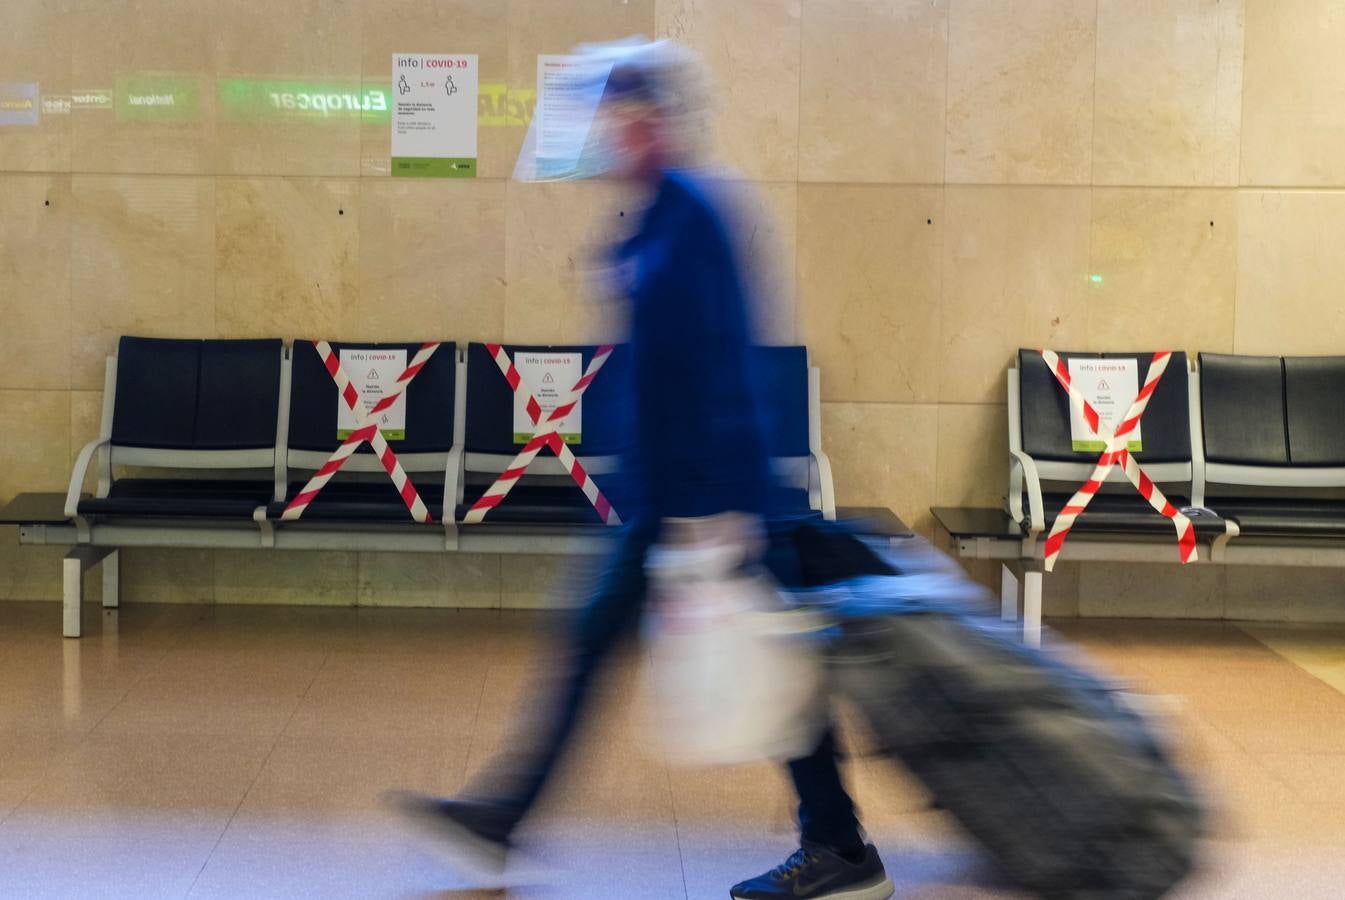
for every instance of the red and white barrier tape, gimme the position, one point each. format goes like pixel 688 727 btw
pixel 366 430
pixel 548 436
pixel 1116 452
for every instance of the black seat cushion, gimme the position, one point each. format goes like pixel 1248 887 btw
pixel 605 407
pixel 780 383
pixel 1313 388
pixel 179 498
pixel 779 376
pixel 363 501
pixel 490 430
pixel 1242 409
pixel 558 504
pixel 429 400
pixel 156 393
pixel 238 395
pixel 1044 410
pixel 1283 517
pixel 535 504
pixel 549 501
pixel 196 395
pixel 1127 514
pixel 790 501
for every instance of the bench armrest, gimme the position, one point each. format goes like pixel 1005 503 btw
pixel 819 462
pixel 81 471
pixel 453 484
pixel 1022 467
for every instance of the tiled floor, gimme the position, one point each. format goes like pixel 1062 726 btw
pixel 239 752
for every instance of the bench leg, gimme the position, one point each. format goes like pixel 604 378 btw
pixel 1008 594
pixel 1032 609
pixel 78 561
pixel 112 580
pixel 72 598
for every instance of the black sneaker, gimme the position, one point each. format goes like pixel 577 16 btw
pixel 816 873
pixel 471 837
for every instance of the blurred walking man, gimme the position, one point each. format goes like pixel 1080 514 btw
pixel 690 342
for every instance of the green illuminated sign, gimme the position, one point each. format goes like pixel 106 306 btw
pixel 252 98
pixel 498 105
pixel 157 98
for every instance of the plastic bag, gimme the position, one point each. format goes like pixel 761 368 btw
pixel 734 676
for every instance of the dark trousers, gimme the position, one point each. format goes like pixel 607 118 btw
pixel 826 813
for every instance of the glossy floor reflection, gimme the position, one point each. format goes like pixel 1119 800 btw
pixel 240 751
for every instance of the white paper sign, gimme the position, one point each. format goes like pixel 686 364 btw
pixel 568 91
pixel 551 377
pixel 1110 386
pixel 373 373
pixel 434 98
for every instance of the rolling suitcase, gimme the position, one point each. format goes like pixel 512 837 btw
pixel 1050 768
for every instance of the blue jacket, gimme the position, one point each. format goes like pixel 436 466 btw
pixel 698 446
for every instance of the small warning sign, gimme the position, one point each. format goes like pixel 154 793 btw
pixel 1094 378
pixel 372 388
pixel 551 375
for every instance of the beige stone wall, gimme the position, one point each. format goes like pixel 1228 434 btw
pixel 942 178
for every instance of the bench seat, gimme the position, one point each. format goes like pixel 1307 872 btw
pixel 362 501
pixel 179 498
pixel 1129 514
pixel 536 505
pixel 1120 519
pixel 1271 517
pixel 563 505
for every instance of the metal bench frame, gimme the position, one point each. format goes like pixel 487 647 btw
pixel 1021 554
pixel 98 541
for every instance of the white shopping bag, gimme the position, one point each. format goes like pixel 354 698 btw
pixel 733 676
